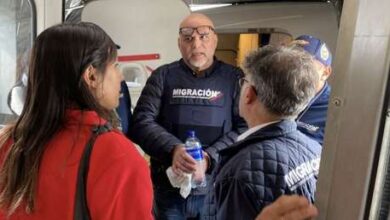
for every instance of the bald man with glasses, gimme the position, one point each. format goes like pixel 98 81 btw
pixel 197 92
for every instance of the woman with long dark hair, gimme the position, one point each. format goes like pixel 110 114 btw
pixel 73 86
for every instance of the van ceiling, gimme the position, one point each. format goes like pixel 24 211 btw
pixel 337 3
pixel 243 1
pixel 71 4
pixel 73 8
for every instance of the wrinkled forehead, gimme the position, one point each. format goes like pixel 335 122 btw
pixel 196 20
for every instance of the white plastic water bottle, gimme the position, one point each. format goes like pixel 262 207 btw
pixel 194 148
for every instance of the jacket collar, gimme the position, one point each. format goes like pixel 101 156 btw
pixel 321 98
pixel 268 132
pixel 76 116
pixel 207 72
pixel 323 95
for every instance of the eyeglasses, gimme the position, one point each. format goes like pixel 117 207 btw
pixel 242 80
pixel 201 30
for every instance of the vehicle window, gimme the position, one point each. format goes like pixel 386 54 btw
pixel 73 9
pixel 17 31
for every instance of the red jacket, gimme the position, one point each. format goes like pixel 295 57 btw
pixel 118 186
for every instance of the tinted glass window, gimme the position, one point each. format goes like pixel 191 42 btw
pixel 16 36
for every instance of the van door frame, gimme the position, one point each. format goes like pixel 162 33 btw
pixel 355 113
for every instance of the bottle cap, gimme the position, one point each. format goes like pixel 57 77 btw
pixel 190 133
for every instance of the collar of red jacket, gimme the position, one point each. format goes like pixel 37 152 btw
pixel 75 116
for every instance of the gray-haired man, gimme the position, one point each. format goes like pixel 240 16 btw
pixel 272 158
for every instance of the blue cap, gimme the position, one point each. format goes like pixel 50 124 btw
pixel 317 48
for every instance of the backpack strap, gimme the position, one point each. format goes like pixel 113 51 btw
pixel 81 211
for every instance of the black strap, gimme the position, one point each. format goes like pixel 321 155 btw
pixel 81 211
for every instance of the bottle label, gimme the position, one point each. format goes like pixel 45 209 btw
pixel 196 153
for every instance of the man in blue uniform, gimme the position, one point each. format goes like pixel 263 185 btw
pixel 311 121
pixel 272 157
pixel 198 93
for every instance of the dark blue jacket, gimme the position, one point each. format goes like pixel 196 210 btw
pixel 312 120
pixel 175 100
pixel 124 108
pixel 254 172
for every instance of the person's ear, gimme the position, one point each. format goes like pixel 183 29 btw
pixel 326 73
pixel 90 77
pixel 249 95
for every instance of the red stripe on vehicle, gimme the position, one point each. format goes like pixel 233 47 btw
pixel 139 57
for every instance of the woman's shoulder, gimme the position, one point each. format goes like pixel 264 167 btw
pixel 115 142
pixel 113 146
